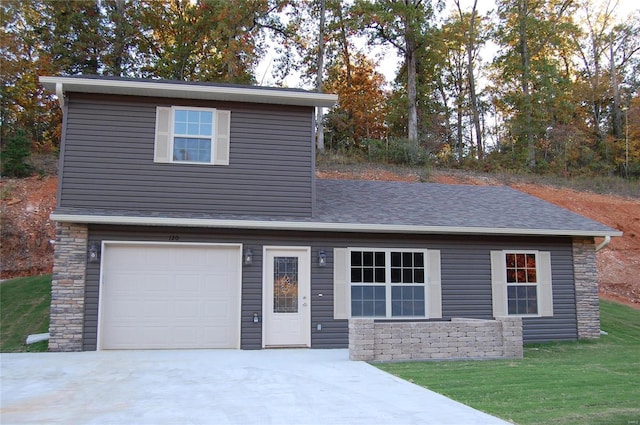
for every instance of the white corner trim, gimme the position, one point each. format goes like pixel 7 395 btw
pixel 318 226
pixel 60 94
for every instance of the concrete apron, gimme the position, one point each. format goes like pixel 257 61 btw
pixel 216 387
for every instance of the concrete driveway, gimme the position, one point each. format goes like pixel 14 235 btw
pixel 215 387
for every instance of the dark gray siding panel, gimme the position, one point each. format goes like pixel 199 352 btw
pixel 108 162
pixel 466 284
pixel 465 264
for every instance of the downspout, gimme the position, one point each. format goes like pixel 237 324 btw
pixel 604 243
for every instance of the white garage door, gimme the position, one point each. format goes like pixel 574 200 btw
pixel 161 296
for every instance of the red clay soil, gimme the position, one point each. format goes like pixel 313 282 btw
pixel 26 230
pixel 618 263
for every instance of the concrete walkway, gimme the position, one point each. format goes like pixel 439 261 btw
pixel 215 387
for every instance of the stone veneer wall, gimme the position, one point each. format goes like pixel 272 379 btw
pixel 458 339
pixel 586 281
pixel 67 287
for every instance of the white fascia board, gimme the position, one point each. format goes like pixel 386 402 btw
pixel 319 226
pixel 190 91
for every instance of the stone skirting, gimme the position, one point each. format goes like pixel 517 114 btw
pixel 67 287
pixel 586 281
pixel 458 339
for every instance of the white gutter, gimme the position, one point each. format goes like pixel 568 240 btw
pixel 605 242
pixel 151 88
pixel 318 226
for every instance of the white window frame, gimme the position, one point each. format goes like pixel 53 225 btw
pixel 173 134
pixel 512 284
pixel 388 284
pixel 544 290
pixel 165 136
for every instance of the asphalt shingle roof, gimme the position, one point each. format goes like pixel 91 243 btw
pixel 427 204
pixel 425 207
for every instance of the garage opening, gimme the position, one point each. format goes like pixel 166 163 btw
pixel 169 296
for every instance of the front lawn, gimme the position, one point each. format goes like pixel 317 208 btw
pixel 585 382
pixel 24 310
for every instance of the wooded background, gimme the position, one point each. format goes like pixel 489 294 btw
pixel 559 96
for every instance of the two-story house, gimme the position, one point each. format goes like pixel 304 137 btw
pixel 189 216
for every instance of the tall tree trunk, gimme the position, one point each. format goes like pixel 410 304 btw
pixel 119 42
pixel 525 59
pixel 616 119
pixel 596 87
pixel 472 81
pixel 459 132
pixel 320 114
pixel 447 113
pixel 410 59
pixel 345 44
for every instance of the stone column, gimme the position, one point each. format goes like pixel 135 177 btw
pixel 512 337
pixel 361 339
pixel 67 287
pixel 586 282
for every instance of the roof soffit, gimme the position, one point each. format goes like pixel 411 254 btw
pixel 178 90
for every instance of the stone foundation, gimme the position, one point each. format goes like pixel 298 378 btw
pixel 586 281
pixel 67 287
pixel 458 339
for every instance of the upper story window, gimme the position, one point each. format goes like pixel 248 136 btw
pixel 192 135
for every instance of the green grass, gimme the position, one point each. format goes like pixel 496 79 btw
pixel 24 310
pixel 585 382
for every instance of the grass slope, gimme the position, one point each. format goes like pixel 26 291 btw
pixel 24 310
pixel 585 382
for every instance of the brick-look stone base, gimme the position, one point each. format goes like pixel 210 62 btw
pixel 67 287
pixel 586 280
pixel 457 339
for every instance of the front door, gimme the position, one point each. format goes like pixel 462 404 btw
pixel 287 297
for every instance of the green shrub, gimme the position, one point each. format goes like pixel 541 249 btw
pixel 15 154
pixel 397 151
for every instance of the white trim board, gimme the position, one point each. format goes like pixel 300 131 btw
pixel 321 226
pixel 168 89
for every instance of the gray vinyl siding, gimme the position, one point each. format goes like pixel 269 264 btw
pixel 109 152
pixel 465 272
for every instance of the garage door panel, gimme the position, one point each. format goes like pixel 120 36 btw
pixel 170 296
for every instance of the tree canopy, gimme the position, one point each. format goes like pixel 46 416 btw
pixel 559 94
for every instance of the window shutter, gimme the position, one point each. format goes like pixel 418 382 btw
pixel 434 288
pixel 498 284
pixel 340 284
pixel 223 130
pixel 544 284
pixel 163 131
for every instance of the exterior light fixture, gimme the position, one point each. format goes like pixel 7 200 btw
pixel 93 253
pixel 322 258
pixel 247 257
pixel 256 318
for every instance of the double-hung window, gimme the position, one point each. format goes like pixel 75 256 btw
pixel 192 135
pixel 521 282
pixel 388 283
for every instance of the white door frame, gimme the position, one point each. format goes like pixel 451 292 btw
pixel 304 276
pixel 105 244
